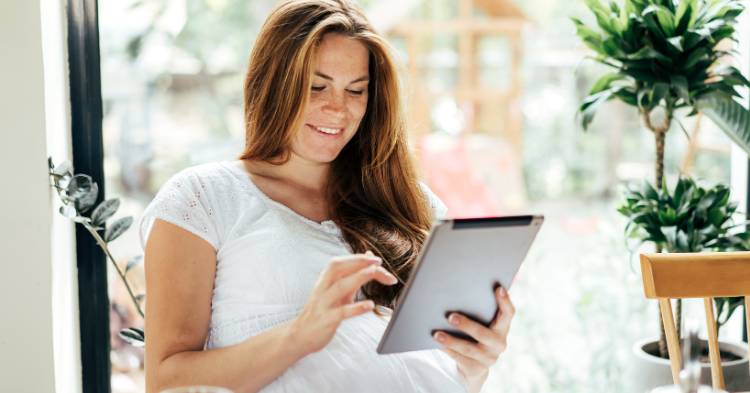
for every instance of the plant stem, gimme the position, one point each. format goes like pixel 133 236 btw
pixel 660 133
pixel 104 247
pixel 101 243
pixel 659 136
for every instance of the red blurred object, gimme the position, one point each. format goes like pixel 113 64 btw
pixel 452 167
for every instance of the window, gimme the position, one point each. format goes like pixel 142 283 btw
pixel 492 120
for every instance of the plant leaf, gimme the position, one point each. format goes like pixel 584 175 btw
pixel 133 263
pixel 68 211
pixel 83 191
pixel 86 202
pixel 658 93
pixel 104 211
pixel 592 102
pixel 65 168
pixel 117 228
pixel 729 116
pixel 133 336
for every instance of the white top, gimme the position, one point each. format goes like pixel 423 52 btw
pixel 268 259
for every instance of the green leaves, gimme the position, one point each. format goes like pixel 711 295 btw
pixel 592 102
pixel 665 53
pixel 728 115
pixel 688 219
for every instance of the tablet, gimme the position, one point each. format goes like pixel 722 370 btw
pixel 458 268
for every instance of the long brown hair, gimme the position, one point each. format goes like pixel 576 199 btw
pixel 373 192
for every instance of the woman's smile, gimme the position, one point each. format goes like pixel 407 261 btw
pixel 327 131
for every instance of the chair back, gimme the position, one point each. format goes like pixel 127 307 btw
pixel 669 276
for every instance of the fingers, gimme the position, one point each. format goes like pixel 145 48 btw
pixel 346 286
pixel 462 359
pixel 346 265
pixel 505 313
pixel 492 339
pixel 475 351
pixel 354 309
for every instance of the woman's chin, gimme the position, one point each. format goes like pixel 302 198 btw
pixel 318 158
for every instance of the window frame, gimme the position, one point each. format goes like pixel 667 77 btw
pixel 88 154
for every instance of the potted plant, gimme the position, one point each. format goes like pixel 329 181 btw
pixel 666 60
pixel 690 218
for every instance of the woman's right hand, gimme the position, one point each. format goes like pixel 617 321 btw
pixel 332 299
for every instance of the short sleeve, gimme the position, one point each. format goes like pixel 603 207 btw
pixel 183 201
pixel 439 210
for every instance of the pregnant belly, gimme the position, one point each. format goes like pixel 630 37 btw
pixel 350 363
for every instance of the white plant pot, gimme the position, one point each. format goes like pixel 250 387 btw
pixel 648 371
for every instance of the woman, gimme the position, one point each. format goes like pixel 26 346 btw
pixel 264 273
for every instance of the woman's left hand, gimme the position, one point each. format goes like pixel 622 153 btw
pixel 475 359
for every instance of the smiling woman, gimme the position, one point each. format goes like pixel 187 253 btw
pixel 263 273
pixel 337 103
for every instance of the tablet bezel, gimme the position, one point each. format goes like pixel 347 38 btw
pixel 456 224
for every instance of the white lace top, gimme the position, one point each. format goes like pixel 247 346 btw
pixel 268 260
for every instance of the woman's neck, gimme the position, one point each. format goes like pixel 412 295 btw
pixel 298 171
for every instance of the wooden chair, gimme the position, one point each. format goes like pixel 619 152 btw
pixel 696 275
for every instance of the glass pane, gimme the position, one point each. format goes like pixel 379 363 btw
pixel 172 86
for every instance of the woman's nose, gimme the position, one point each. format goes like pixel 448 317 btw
pixel 335 103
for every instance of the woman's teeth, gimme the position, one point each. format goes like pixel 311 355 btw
pixel 326 130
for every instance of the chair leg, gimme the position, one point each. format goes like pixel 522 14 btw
pixel 673 342
pixel 747 322
pixel 717 374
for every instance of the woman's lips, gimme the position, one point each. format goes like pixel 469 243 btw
pixel 329 131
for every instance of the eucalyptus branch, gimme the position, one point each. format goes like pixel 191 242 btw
pixel 105 248
pixel 78 194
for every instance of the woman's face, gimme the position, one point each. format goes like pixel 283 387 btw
pixel 338 99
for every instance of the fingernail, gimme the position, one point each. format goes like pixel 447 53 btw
pixel 502 292
pixel 372 258
pixel 439 336
pixel 453 319
pixel 389 275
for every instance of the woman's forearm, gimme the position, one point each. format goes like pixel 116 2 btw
pixel 245 367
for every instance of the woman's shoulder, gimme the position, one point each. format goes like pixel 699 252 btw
pixel 439 209
pixel 204 198
pixel 202 175
pixel 219 181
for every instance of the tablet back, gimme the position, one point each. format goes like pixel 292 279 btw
pixel 459 266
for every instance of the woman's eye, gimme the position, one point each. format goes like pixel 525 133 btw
pixel 318 88
pixel 356 92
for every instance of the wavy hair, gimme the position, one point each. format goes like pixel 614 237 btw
pixel 373 192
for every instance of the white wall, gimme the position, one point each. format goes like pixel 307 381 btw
pixel 26 355
pixel 39 339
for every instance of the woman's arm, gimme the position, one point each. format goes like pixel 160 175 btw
pixel 180 270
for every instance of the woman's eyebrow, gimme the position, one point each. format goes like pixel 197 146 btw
pixel 360 79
